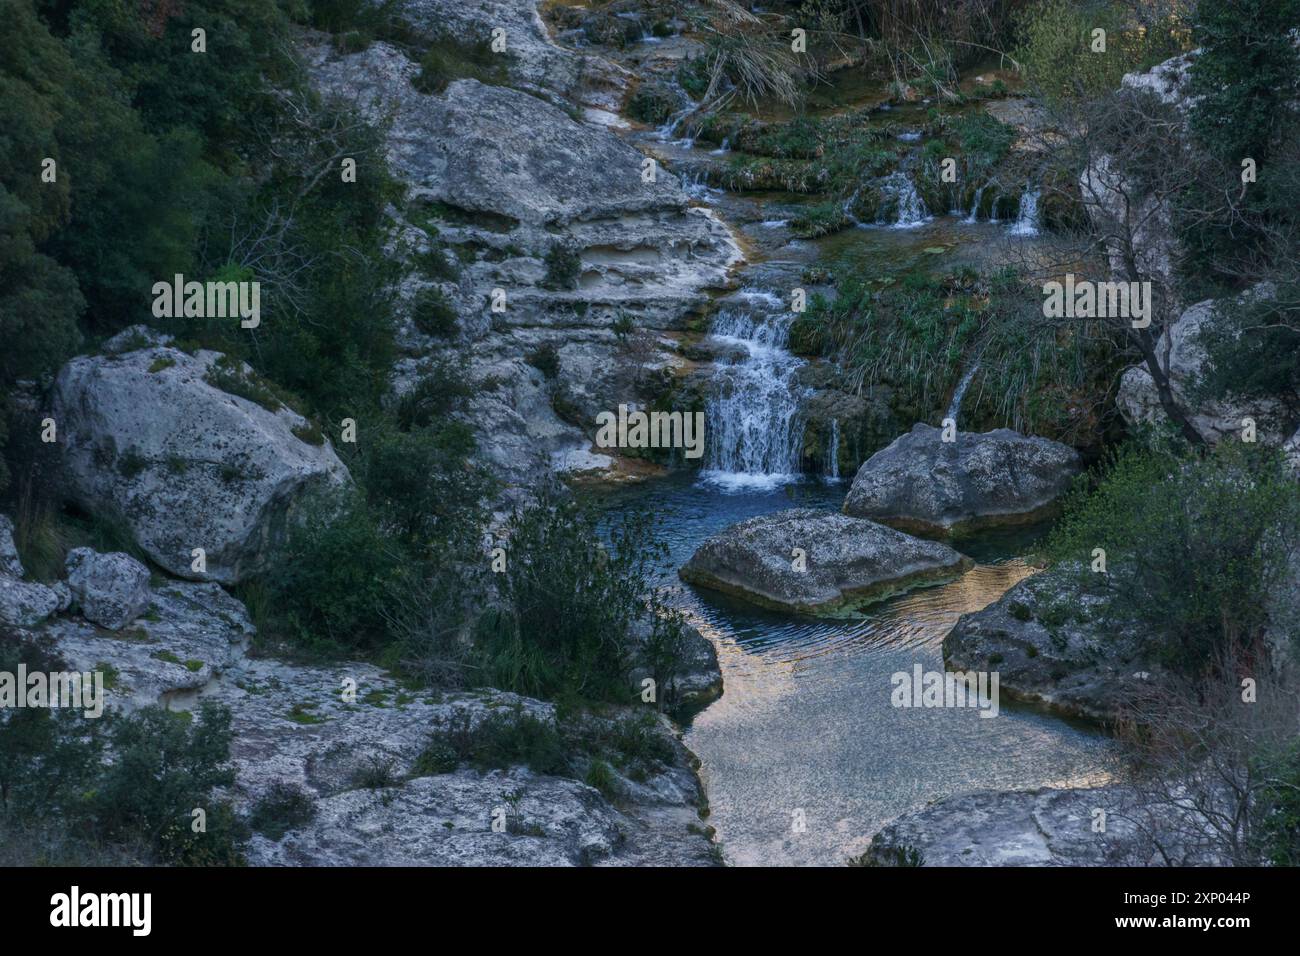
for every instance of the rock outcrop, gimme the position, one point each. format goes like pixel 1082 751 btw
pixel 925 485
pixel 24 603
pixel 375 772
pixel 1044 827
pixel 1138 400
pixel 151 437
pixel 1120 207
pixel 1052 643
pixel 812 561
pixel 516 185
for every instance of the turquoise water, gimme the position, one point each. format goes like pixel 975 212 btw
pixel 805 729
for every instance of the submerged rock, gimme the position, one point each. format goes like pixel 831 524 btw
pixel 845 563
pixel 148 438
pixel 925 485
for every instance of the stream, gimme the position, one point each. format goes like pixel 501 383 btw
pixel 804 757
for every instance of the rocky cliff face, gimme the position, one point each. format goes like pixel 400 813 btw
pixel 505 179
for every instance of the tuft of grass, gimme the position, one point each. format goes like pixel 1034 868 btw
pixel 448 59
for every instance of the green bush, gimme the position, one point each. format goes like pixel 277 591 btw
pixel 1196 547
pixel 1055 45
pixel 502 739
pixel 566 604
pixel 282 808
pixel 448 59
pixel 563 266
pixel 433 314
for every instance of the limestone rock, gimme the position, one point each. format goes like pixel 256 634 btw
pixel 923 484
pixel 149 439
pixel 1044 827
pixel 1051 643
pixel 1139 401
pixel 112 590
pixel 847 561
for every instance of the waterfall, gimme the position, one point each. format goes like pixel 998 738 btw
pixel 954 407
pixel 975 206
pixel 911 208
pixel 1027 219
pixel 833 457
pixel 754 434
pixel 666 132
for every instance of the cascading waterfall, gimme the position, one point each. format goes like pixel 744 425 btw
pixel 1027 218
pixel 954 407
pixel 975 206
pixel 754 433
pixel 833 456
pixel 911 207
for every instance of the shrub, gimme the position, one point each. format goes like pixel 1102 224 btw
pixel 566 603
pixel 563 265
pixel 282 808
pixel 503 739
pixel 546 359
pixel 1196 547
pixel 449 58
pixel 164 766
pixel 433 314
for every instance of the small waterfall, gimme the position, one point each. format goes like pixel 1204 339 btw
pixel 832 475
pixel 975 206
pixel 1026 223
pixel 848 206
pixel 753 428
pixel 695 186
pixel 954 407
pixel 668 131
pixel 910 205
pixel 723 148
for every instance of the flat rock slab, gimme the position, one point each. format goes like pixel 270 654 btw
pixel 1045 827
pixel 925 485
pixel 846 562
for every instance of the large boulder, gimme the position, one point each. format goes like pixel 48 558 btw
pixel 1186 357
pixel 112 590
pixel 846 562
pixel 151 438
pixel 925 485
pixel 1052 643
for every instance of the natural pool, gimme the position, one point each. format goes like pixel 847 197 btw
pixel 805 722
